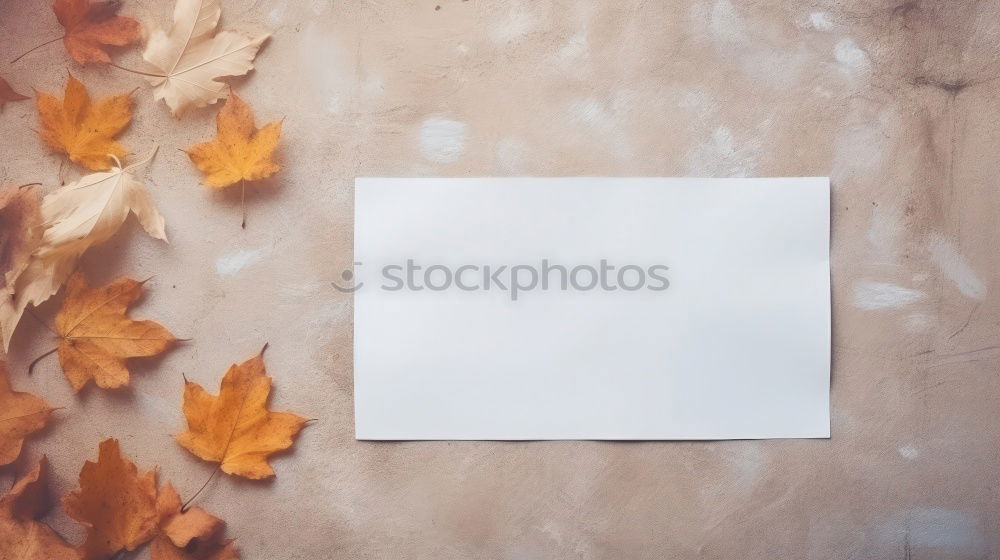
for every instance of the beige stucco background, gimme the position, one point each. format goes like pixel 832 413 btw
pixel 895 101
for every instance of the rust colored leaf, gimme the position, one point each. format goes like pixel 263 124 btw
pixel 114 503
pixel 22 536
pixel 93 26
pixel 21 414
pixel 188 535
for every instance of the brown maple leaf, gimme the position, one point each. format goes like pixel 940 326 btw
pixel 187 535
pixel 7 93
pixel 22 536
pixel 235 428
pixel 96 337
pixel 21 414
pixel 83 130
pixel 20 230
pixel 114 503
pixel 92 26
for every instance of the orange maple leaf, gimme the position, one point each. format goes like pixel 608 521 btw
pixel 82 130
pixel 114 503
pixel 7 93
pixel 21 414
pixel 90 26
pixel 22 536
pixel 188 534
pixel 96 337
pixel 235 428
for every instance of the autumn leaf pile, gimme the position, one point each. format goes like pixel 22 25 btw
pixel 46 231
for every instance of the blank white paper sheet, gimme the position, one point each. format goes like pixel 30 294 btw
pixel 591 308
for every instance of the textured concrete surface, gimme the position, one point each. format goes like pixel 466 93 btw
pixel 896 101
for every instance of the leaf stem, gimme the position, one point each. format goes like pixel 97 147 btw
pixel 215 471
pixel 31 366
pixel 140 72
pixel 38 47
pixel 243 202
pixel 40 321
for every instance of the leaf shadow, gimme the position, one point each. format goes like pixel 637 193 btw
pixel 263 192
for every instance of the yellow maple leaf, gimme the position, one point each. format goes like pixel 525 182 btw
pixel 117 506
pixel 240 152
pixel 96 337
pixel 235 428
pixel 82 130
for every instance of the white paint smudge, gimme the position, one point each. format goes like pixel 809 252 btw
pixel 851 58
pixel 442 140
pixel 592 112
pixel 726 25
pixel 934 528
pixel 236 261
pixel 699 103
pixel 277 14
pixel 719 156
pixel 748 461
pixel 320 7
pixel 909 452
pixel 571 58
pixel 820 21
pixel 861 146
pixel 882 295
pixel 605 119
pixel 328 66
pixel 299 291
pixel 575 49
pixel 760 56
pixel 919 322
pixel 954 266
pixel 520 20
pixel 510 154
pixel 882 233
